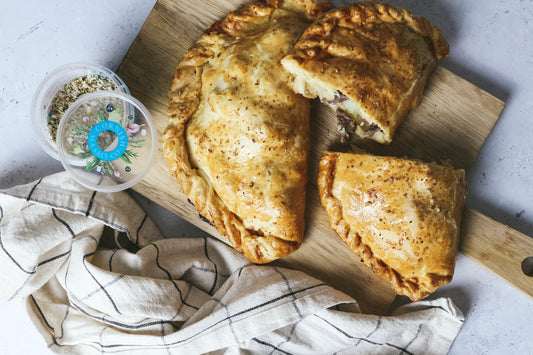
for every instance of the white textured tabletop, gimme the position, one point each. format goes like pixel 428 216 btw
pixel 491 46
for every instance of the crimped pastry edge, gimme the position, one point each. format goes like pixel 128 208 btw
pixel 362 13
pixel 402 286
pixel 183 101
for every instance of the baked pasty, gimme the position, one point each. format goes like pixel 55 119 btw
pixel 369 61
pixel 238 135
pixel 401 217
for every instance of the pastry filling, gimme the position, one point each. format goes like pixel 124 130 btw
pixel 351 120
pixel 350 124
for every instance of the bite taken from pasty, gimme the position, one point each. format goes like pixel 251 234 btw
pixel 369 62
pixel 401 217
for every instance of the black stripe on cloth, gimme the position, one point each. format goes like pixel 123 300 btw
pixel 13 259
pixel 363 339
pixel 439 307
pixel 64 223
pixel 404 350
pixel 443 309
pixel 275 348
pixel 244 267
pixel 118 227
pixel 41 314
pixel 111 260
pixel 100 336
pixel 279 298
pixel 53 258
pixel 117 323
pixel 88 211
pixel 29 205
pixel 1 213
pixel 66 277
pixel 181 305
pixel 287 339
pixel 206 269
pixel 169 276
pixel 33 190
pixel 39 264
pixel 290 290
pixel 116 279
pixel 230 320
pixel 68 269
pixel 15 294
pixel 62 324
pixel 143 325
pixel 99 284
pixel 139 229
pixel 378 325
pixel 163 337
pixel 92 237
pixel 214 266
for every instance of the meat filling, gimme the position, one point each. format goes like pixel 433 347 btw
pixel 337 99
pixel 346 125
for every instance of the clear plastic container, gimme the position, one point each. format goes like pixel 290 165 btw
pixel 50 87
pixel 106 141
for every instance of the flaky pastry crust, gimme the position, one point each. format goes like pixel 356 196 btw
pixel 370 62
pixel 401 217
pixel 238 136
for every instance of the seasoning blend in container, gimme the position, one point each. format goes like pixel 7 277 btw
pixel 85 117
pixel 59 89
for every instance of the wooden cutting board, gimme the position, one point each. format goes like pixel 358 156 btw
pixel 450 124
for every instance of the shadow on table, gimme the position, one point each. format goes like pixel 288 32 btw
pixel 456 294
pixel 521 220
pixel 169 224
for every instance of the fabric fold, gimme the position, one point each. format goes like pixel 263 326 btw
pixel 152 295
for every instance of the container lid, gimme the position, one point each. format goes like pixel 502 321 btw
pixel 106 141
pixel 52 84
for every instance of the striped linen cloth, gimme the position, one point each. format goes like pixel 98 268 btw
pixel 151 295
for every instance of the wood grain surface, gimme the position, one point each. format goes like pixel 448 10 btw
pixel 497 247
pixel 451 124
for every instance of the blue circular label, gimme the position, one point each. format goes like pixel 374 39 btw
pixel 92 140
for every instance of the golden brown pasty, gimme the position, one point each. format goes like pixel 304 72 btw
pixel 369 61
pixel 238 135
pixel 401 217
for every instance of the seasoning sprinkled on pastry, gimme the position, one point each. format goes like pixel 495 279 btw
pixel 401 217
pixel 369 61
pixel 238 135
